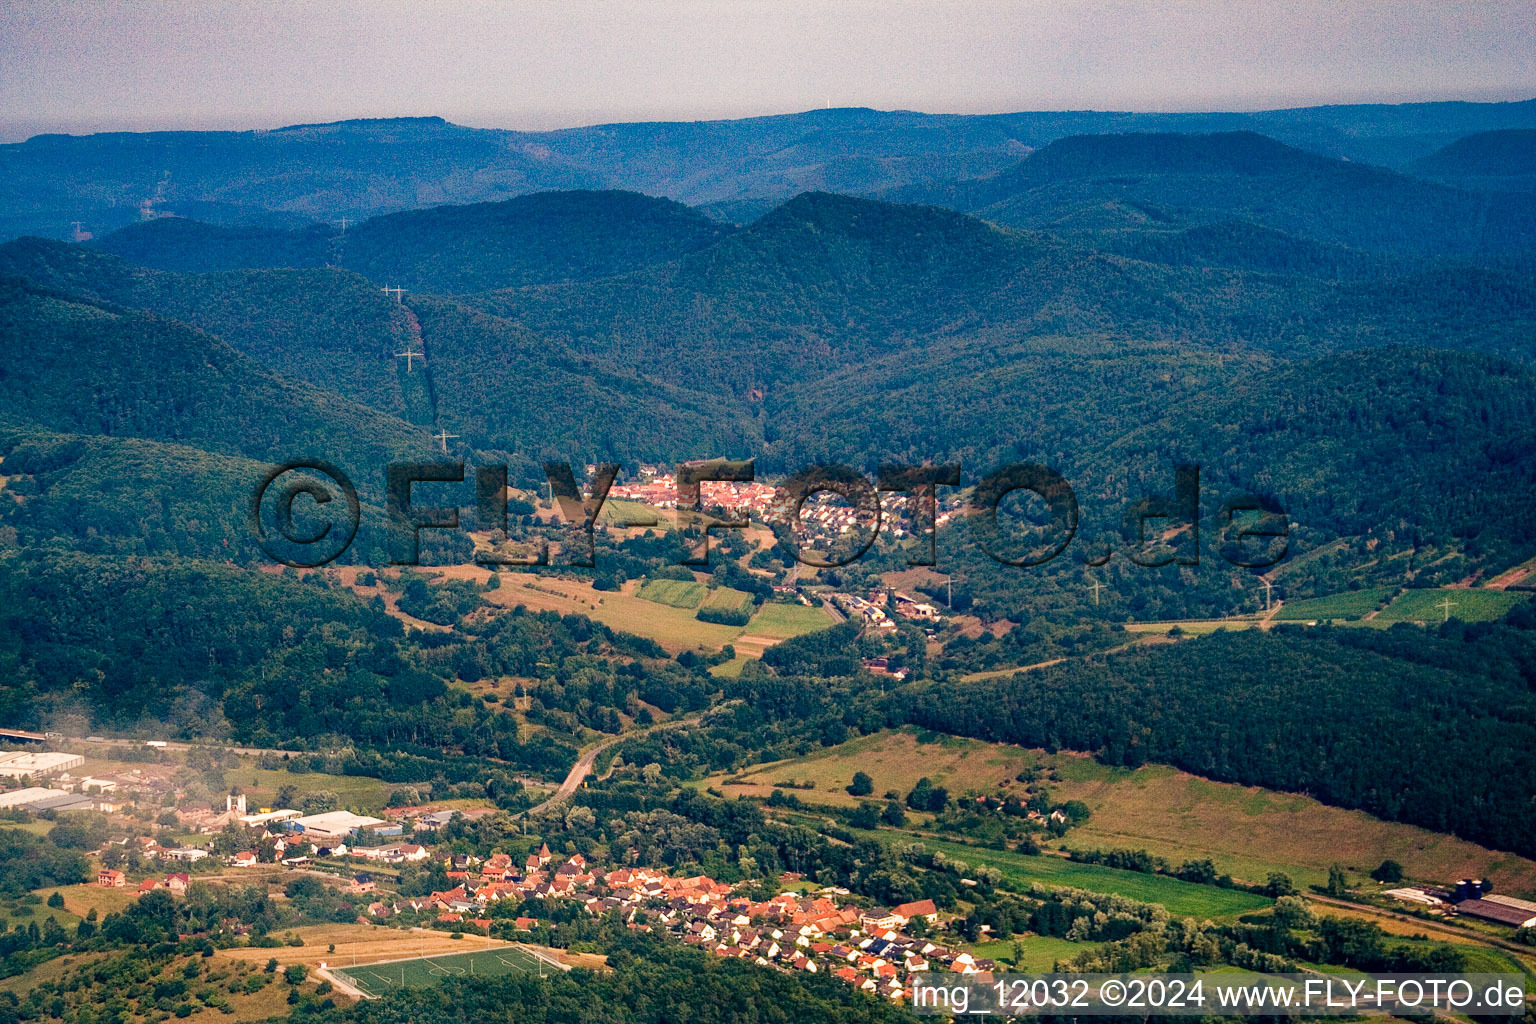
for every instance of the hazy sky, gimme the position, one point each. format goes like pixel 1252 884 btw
pixel 83 65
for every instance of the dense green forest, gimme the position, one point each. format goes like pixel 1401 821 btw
pixel 77 365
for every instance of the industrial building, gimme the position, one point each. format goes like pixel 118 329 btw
pixel 331 824
pixel 36 765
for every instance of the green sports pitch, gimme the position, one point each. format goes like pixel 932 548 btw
pixel 381 979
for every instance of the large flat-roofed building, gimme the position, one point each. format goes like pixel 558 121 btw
pixel 1487 910
pixel 63 802
pixel 266 818
pixel 1528 906
pixel 36 764
pixel 331 824
pixel 28 796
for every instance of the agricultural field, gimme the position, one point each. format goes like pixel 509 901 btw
pixel 730 669
pixel 674 593
pixel 727 599
pixel 895 760
pixel 1021 870
pixel 381 978
pixel 1467 605
pixel 782 621
pixel 260 785
pixel 1246 831
pixel 362 943
pixel 80 900
pixel 1041 952
pixel 1351 604
pixel 623 513
pixel 1191 627
pixel 1250 832
pixel 18 912
pixel 632 610
pixel 674 628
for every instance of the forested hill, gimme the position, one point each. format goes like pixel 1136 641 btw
pixel 330 328
pixel 1111 182
pixel 1242 245
pixel 1401 461
pixel 356 169
pixel 543 238
pixel 1402 448
pixel 79 366
pixel 827 281
pixel 1499 160
pixel 492 381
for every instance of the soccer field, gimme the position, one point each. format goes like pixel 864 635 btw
pixel 380 979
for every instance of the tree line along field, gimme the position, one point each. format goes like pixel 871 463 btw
pixel 269 1002
pixel 1247 832
pixel 380 979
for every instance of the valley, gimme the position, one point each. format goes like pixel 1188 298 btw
pixel 1277 714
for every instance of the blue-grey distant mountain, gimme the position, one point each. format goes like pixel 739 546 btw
pixel 1111 183
pixel 1497 161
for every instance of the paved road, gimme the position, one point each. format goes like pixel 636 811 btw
pixel 341 984
pixel 583 766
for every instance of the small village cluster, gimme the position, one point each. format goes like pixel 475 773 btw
pixel 822 516
pixel 822 932
pixel 866 948
pixel 872 610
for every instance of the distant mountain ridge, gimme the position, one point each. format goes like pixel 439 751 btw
pixel 357 169
pixel 1499 160
pixel 1176 180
